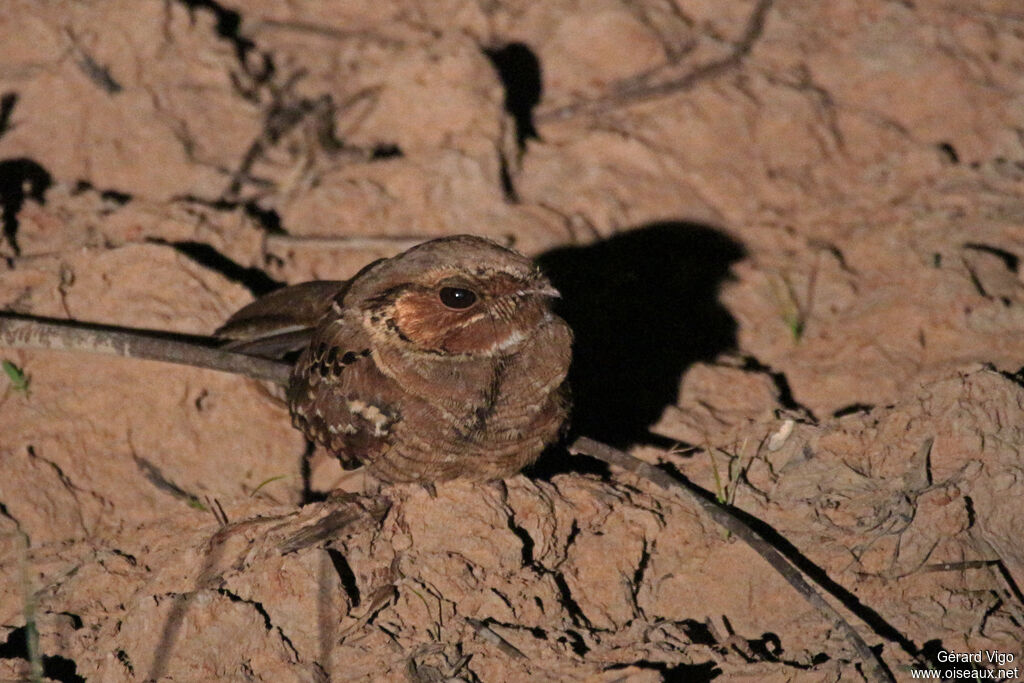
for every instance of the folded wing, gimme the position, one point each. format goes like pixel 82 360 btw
pixel 280 322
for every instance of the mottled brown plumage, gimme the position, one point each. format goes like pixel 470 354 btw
pixel 443 362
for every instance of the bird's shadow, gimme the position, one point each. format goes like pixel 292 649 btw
pixel 643 306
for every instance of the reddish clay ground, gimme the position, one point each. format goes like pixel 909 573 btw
pixel 789 234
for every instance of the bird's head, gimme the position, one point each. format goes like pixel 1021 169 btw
pixel 454 296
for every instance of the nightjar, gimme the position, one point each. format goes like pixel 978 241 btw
pixel 445 361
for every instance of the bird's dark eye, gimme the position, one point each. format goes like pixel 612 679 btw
pixel 457 297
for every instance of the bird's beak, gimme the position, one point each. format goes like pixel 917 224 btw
pixel 547 290
pixel 542 290
pixel 540 287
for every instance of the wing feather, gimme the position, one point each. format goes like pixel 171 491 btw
pixel 282 321
pixel 339 398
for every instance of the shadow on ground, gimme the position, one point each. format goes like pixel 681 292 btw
pixel 643 306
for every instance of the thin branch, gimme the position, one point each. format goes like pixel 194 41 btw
pixel 488 634
pixel 349 513
pixel 873 667
pixel 648 91
pixel 25 332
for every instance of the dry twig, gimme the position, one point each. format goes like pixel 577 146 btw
pixel 25 332
pixel 644 91
pixel 873 668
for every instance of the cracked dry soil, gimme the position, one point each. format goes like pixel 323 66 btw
pixel 789 237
